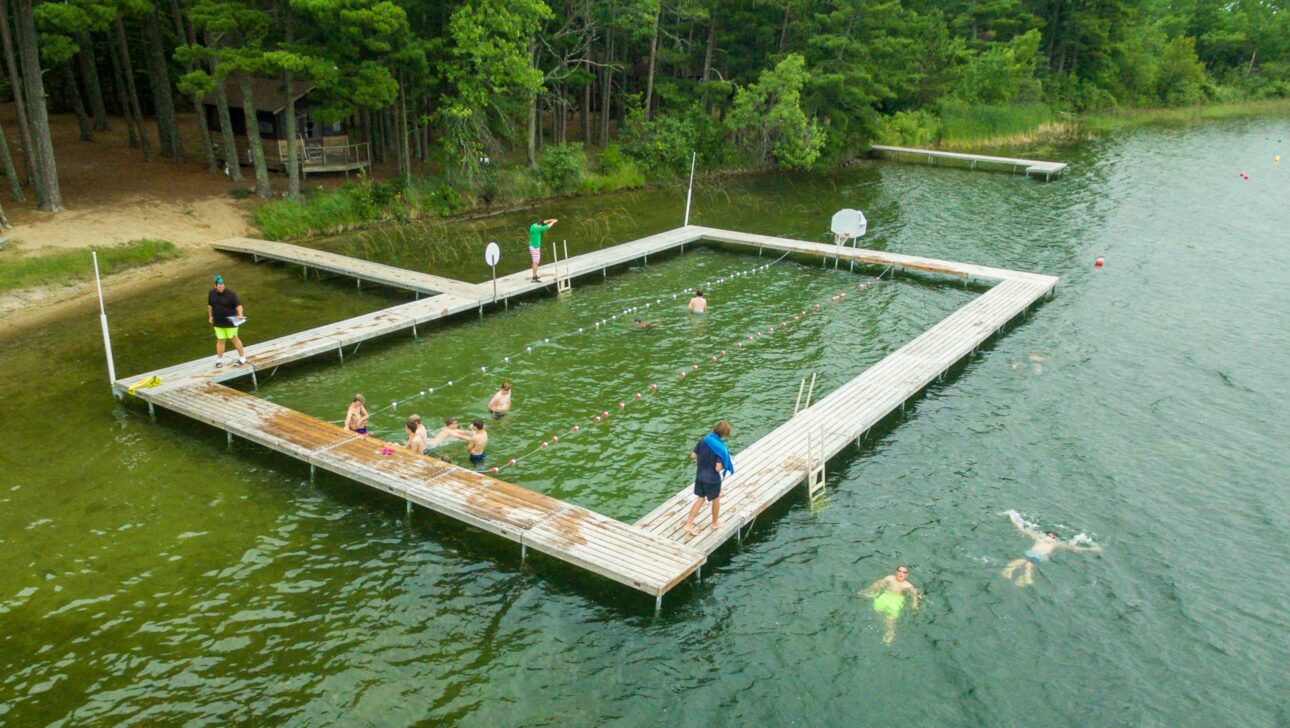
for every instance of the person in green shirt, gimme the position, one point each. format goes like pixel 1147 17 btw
pixel 535 243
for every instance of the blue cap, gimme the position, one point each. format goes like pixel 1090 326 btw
pixel 219 280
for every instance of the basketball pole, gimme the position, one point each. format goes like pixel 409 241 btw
pixel 689 192
pixel 107 338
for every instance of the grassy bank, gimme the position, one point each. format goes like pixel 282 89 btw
pixel 563 171
pixel 1115 119
pixel 72 266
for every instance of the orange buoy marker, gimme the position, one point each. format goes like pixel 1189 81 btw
pixel 1098 263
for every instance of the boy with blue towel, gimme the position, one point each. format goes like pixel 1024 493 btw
pixel 713 463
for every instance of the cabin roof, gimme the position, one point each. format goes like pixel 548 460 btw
pixel 266 92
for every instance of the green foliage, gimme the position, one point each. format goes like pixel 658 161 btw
pixel 662 146
pixel 71 266
pixel 918 128
pixel 561 167
pixel 1181 77
pixel 767 121
pixel 1003 74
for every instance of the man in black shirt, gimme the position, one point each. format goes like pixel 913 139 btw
pixel 222 306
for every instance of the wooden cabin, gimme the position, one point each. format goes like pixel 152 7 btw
pixel 322 147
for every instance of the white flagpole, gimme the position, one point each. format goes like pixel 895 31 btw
pixel 693 157
pixel 107 339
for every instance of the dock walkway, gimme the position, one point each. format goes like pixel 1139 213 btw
pixel 654 554
pixel 1031 166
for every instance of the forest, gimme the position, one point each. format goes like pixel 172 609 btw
pixel 469 91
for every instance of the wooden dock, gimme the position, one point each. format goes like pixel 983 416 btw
pixel 1030 166
pixel 654 554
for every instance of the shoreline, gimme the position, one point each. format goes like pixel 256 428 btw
pixel 27 308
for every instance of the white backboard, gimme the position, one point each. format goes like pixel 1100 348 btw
pixel 492 254
pixel 849 224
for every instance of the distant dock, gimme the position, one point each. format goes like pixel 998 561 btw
pixel 1030 166
pixel 654 554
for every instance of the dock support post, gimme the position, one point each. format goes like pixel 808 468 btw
pixel 229 437
pixel 313 472
pixel 414 330
pixel 481 310
pixel 358 283
pixel 152 409
pixel 255 381
pixel 604 273
pixel 524 551
pixel 409 509
pixel 658 604
pixel 698 573
pixel 341 351
pixel 646 259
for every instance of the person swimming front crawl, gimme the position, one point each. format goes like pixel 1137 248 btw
pixel 1043 547
pixel 888 595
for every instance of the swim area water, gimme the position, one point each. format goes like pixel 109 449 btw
pixel 154 576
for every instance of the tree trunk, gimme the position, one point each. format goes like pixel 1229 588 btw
pixel 163 99
pixel 783 29
pixel 653 57
pixel 186 34
pixel 232 167
pixel 24 126
pixel 10 173
pixel 607 90
pixel 48 196
pixel 89 68
pixel 707 63
pixel 262 187
pixel 78 104
pixel 118 82
pixel 293 153
pixel 531 145
pixel 127 67
pixel 405 148
pixel 586 115
pixel 4 219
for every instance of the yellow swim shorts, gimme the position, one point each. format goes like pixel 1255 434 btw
pixel 225 333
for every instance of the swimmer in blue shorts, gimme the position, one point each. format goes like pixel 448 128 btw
pixel 478 442
pixel 1043 547
pixel 698 305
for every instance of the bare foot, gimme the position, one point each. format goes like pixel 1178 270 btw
pixel 716 525
pixel 690 530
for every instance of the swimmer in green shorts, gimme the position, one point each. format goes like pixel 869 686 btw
pixel 888 595
pixel 1043 547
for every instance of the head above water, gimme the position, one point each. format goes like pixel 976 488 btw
pixel 360 399
pixel 1052 534
pixel 722 429
pixel 478 424
pixel 698 293
pixel 506 386
pixel 414 418
pixel 450 422
pixel 902 572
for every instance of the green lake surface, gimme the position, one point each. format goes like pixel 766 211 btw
pixel 153 575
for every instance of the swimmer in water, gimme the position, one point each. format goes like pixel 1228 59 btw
pixel 888 595
pixel 1043 547
pixel 416 435
pixel 500 404
pixel 643 324
pixel 478 443
pixel 698 305
pixel 449 431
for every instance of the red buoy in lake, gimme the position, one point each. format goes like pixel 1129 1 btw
pixel 1098 263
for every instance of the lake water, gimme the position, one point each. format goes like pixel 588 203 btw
pixel 155 576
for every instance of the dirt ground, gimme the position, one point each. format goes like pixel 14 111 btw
pixel 113 196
